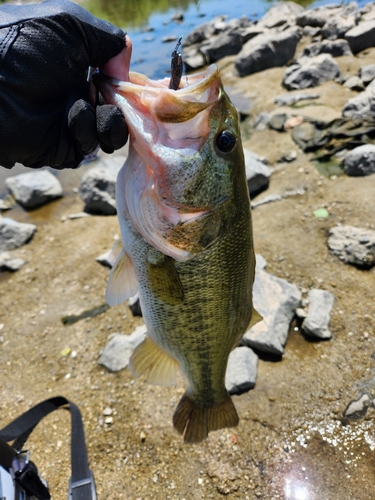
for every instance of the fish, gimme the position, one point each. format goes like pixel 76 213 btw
pixel 186 238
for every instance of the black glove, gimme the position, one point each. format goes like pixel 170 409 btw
pixel 45 52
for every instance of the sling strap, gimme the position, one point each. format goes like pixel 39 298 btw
pixel 81 483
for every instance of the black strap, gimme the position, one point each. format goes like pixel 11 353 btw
pixel 81 485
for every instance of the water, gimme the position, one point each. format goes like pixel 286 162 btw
pixel 150 55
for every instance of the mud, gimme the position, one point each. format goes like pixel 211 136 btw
pixel 290 443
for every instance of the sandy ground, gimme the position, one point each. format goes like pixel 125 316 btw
pixel 290 442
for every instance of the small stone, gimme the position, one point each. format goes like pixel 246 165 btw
pixel 358 408
pixel 241 371
pixel 116 354
pixel 353 245
pixel 107 411
pixel 14 234
pixel 108 420
pixel 9 263
pixel 318 314
pixel 143 436
pixel 34 189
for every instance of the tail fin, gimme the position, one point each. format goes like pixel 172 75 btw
pixel 196 422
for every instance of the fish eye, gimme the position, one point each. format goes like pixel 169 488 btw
pixel 225 142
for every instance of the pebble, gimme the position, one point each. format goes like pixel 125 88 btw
pixel 318 314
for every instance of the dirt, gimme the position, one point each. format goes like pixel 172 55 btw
pixel 290 442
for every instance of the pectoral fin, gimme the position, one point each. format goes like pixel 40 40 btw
pixel 164 279
pixel 122 282
pixel 255 318
pixel 150 360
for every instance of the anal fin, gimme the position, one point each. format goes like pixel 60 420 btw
pixel 195 422
pixel 150 360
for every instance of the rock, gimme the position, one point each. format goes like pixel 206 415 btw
pixel 240 102
pixel 316 17
pixel 97 187
pixel 311 72
pixel 353 245
pixel 267 51
pixel 168 39
pixel 177 17
pixel 261 121
pixel 336 48
pixel 14 234
pixel 277 121
pixel 290 99
pixel 358 408
pixel 338 25
pixel 281 13
pixel 361 106
pixel 225 44
pixel 193 59
pixel 257 173
pixel 251 32
pixel 354 83
pixel 106 259
pixel 276 300
pixel 260 262
pixel 7 203
pixel 135 306
pixel 9 263
pixel 367 73
pixel 310 31
pixel 204 31
pixel 34 189
pixel 288 157
pixel 318 314
pixel 361 37
pixel 116 354
pixel 241 371
pixel 360 161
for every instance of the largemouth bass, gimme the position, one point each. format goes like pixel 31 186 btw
pixel 187 244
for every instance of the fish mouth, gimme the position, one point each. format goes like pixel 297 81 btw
pixel 168 128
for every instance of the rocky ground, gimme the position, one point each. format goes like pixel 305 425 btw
pixel 291 441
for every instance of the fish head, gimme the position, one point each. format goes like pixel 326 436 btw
pixel 185 161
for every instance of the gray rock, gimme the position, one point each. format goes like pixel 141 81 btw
pixel 276 300
pixel 257 173
pixel 267 51
pixel 177 17
pixel 251 32
pixel 34 189
pixel 7 202
pixel 290 99
pixel 354 83
pixel 281 13
pixel 277 121
pixel 225 44
pixel 367 73
pixel 288 157
pixel 360 161
pixel 318 314
pixel 353 245
pixel 205 31
pixel 116 354
pixel 9 263
pixel 261 121
pixel 337 26
pixel 310 31
pixel 316 17
pixel 97 187
pixel 336 48
pixel 361 106
pixel 14 234
pixel 362 36
pixel 260 263
pixel 241 371
pixel 193 58
pixel 106 259
pixel 358 408
pixel 311 72
pixel 168 39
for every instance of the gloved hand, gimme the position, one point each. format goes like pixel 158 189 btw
pixel 45 53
